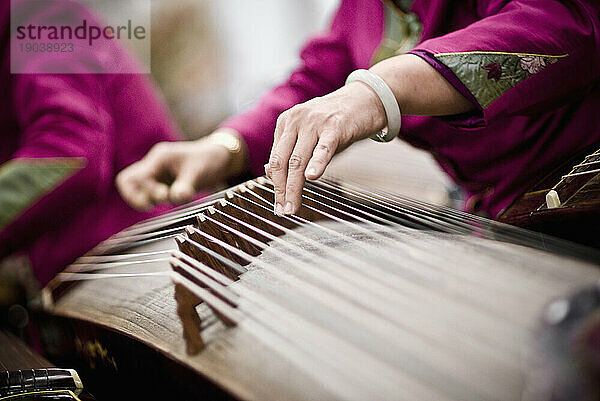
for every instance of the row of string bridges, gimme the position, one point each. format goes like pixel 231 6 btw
pixel 247 209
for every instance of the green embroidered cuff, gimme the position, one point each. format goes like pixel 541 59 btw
pixel 488 75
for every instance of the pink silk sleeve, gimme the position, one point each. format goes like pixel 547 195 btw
pixel 72 118
pixel 522 57
pixel 87 126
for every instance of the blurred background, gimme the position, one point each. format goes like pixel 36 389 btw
pixel 212 59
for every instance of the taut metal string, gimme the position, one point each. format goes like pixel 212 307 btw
pixel 581 173
pixel 476 224
pixel 87 267
pixel 212 273
pixel 575 168
pixel 403 286
pixel 406 246
pixel 496 230
pixel 423 272
pixel 587 163
pixel 348 309
pixel 351 278
pixel 442 219
pixel 239 269
pixel 375 271
pixel 393 219
pixel 383 226
pixel 70 276
pixel 121 247
pixel 213 301
pixel 348 284
pixel 178 214
pixel 291 326
pixel 577 250
pixel 387 196
pixel 422 217
pixel 164 220
pixel 115 258
pixel 223 292
pixel 377 199
pixel 504 232
pixel 140 237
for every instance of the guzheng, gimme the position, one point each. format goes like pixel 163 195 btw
pixel 361 295
pixel 566 203
pixel 25 375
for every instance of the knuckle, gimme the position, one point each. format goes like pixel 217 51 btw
pixel 324 148
pixel 291 113
pixel 279 192
pixel 120 178
pixel 275 163
pixel 160 147
pixel 282 117
pixel 315 117
pixel 125 177
pixel 331 137
pixel 296 111
pixel 320 159
pixel 279 128
pixel 334 122
pixel 293 189
pixel 296 162
pixel 159 150
pixel 121 183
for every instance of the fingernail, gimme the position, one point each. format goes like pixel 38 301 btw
pixel 288 208
pixel 311 171
pixel 279 209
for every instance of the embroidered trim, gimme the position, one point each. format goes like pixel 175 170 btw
pixel 535 64
pixel 402 32
pixel 494 70
pixel 504 53
pixel 488 75
pixel 25 181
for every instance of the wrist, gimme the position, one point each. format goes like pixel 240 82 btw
pixel 235 154
pixel 370 106
pixel 387 101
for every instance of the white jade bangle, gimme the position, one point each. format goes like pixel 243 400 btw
pixel 390 104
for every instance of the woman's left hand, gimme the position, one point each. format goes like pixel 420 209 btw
pixel 309 134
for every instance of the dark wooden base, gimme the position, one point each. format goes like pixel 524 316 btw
pixel 573 224
pixel 117 367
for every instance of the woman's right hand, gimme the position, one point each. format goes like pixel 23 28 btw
pixel 175 172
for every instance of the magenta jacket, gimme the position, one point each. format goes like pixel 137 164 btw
pixel 93 126
pixel 531 68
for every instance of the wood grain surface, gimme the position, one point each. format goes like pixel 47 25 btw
pixel 455 322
